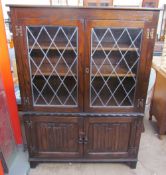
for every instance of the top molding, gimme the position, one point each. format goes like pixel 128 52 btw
pixel 76 7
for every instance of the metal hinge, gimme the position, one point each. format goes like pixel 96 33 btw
pixel 140 103
pixel 150 33
pixel 18 30
pixel 26 100
pixel 29 123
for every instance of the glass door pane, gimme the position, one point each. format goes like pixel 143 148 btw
pixel 115 55
pixel 53 57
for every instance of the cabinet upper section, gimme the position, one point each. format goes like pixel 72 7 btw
pixel 91 60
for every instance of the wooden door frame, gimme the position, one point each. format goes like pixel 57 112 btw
pixel 105 23
pixel 23 60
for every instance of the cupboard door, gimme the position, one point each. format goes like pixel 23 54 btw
pixel 111 137
pixel 114 65
pixel 52 54
pixel 56 137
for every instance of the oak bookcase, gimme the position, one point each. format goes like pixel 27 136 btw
pixel 83 76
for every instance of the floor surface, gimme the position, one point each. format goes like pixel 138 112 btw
pixel 20 165
pixel 151 160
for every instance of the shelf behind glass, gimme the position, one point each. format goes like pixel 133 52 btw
pixel 112 47
pixel 54 90
pixel 108 91
pixel 105 46
pixel 59 46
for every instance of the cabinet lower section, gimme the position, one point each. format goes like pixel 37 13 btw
pixel 83 138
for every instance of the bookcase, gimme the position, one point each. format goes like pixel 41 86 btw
pixel 83 76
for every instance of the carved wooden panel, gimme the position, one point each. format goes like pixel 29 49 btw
pixel 56 136
pixel 107 137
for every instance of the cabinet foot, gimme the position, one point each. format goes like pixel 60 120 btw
pixel 160 137
pixel 132 164
pixel 33 164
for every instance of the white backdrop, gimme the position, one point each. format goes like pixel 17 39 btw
pixel 75 2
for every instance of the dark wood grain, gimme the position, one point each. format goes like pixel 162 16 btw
pixel 84 133
pixel 78 139
pixel 107 138
pixel 56 137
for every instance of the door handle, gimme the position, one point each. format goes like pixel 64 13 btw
pixel 80 139
pixel 85 140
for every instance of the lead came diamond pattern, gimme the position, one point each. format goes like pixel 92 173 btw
pixel 53 56
pixel 115 55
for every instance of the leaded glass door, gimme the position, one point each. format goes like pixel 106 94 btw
pixel 54 59
pixel 112 71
